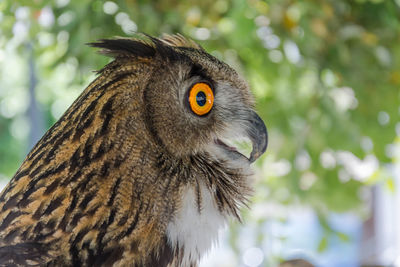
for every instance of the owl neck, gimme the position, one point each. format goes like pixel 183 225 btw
pixel 228 186
pixel 210 192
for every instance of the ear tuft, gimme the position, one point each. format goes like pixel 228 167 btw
pixel 125 46
pixel 143 45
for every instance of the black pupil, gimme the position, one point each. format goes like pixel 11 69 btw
pixel 201 98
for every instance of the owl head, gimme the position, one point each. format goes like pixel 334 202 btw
pixel 193 102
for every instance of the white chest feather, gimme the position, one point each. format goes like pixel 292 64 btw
pixel 193 230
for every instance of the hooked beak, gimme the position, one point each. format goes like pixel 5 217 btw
pixel 257 132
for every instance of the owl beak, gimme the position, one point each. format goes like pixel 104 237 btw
pixel 257 132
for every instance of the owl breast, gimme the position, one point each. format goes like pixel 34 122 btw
pixel 195 226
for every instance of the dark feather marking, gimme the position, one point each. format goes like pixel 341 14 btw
pixel 79 237
pixel 57 145
pixel 47 139
pixel 52 171
pixel 41 237
pixel 87 111
pixel 111 217
pixel 51 224
pixel 163 256
pixel 24 202
pixel 37 150
pixel 106 122
pixel 31 188
pixel 73 179
pixel 172 176
pixel 7 190
pixel 85 180
pixel 88 197
pixel 51 187
pixel 11 202
pixel 54 204
pixel 36 170
pixel 223 201
pixel 93 210
pixel 75 256
pixel 114 191
pixel 21 174
pixel 107 107
pixel 198 194
pixel 91 257
pixel 82 126
pixel 79 131
pixel 100 151
pixel 74 160
pixel 87 150
pixel 38 228
pixel 160 161
pixel 107 112
pixel 176 171
pixel 84 97
pixel 118 161
pixel 109 257
pixel 108 146
pixel 9 218
pixel 77 135
pixel 134 246
pixel 76 218
pixel 26 232
pixel 220 199
pixel 100 236
pixel 71 207
pixel 38 212
pixel 11 235
pixel 135 220
pixel 123 220
pixel 104 169
pixel 87 121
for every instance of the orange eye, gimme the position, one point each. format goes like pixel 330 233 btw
pixel 201 98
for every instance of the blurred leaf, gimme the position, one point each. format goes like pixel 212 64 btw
pixel 390 185
pixel 323 244
pixel 343 237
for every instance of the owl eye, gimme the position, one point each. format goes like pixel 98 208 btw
pixel 201 98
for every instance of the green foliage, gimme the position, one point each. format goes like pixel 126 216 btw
pixel 325 76
pixel 323 244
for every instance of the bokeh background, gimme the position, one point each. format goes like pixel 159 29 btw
pixel 326 77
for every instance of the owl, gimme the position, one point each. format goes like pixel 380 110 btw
pixel 138 171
